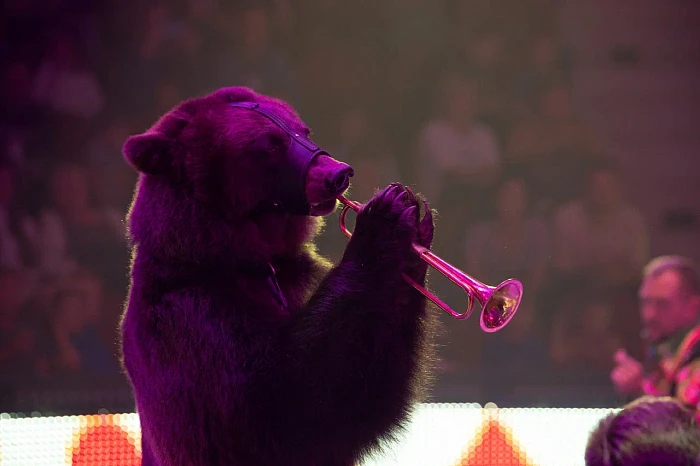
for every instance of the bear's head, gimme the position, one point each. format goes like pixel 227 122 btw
pixel 230 176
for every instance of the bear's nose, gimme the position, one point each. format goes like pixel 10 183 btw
pixel 339 179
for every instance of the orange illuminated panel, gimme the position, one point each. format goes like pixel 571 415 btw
pixel 494 445
pixel 100 442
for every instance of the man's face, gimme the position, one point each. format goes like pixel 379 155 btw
pixel 665 306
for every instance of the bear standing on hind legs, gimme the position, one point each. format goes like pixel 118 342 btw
pixel 243 346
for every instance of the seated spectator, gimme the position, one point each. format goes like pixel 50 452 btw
pixel 416 25
pixel 251 59
pixel 133 75
pixel 552 146
pixel 17 337
pixel 516 356
pixel 71 96
pixel 454 148
pixel 175 47
pixel 517 19
pixel 362 144
pixel 167 63
pixel 76 345
pixel 167 93
pixel 458 158
pixel 583 339
pixel 554 127
pixel 331 59
pixel 486 62
pixel 64 83
pixel 163 35
pixel 113 180
pixel 649 431
pixel 510 244
pixel 545 64
pixel 71 232
pixel 513 243
pixel 16 251
pixel 19 117
pixel 601 238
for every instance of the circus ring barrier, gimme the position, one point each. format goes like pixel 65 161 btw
pixel 439 434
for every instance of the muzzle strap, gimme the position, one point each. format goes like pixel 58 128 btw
pixel 290 192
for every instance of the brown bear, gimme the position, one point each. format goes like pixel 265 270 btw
pixel 244 346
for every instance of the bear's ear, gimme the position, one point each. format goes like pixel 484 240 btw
pixel 148 153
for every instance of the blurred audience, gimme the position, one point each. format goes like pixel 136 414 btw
pixel 18 339
pixel 94 236
pixel 601 238
pixel 551 145
pixel 361 143
pixel 468 102
pixel 20 118
pixel 516 356
pixel 69 91
pixel 75 345
pixel 513 243
pixel 16 251
pixel 553 128
pixel 70 223
pixel 111 179
pixel 64 84
pixel 458 156
pixel 253 60
pixel 486 61
pixel 584 340
pixel 455 149
pixel 544 64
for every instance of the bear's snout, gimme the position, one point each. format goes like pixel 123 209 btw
pixel 326 179
pixel 339 180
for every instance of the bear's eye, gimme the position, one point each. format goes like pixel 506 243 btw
pixel 275 145
pixel 267 145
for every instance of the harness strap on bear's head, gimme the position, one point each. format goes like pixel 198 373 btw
pixel 290 191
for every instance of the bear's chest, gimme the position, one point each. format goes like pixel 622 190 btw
pixel 277 292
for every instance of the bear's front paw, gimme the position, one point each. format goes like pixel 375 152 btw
pixel 415 267
pixel 386 227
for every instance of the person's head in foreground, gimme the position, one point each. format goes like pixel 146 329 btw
pixel 650 431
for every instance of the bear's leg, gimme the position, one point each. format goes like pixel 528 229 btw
pixel 147 458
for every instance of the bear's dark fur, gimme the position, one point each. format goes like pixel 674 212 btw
pixel 222 372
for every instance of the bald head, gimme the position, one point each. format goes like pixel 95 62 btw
pixel 669 296
pixel 684 268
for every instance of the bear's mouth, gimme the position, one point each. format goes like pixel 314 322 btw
pixel 319 209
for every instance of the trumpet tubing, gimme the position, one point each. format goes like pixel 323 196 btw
pixel 499 303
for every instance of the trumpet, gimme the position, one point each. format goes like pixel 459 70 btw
pixel 498 303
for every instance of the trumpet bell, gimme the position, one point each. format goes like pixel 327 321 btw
pixel 500 307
